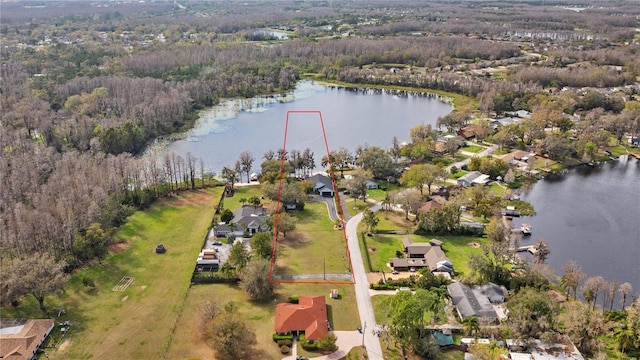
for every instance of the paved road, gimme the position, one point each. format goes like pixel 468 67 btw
pixel 365 309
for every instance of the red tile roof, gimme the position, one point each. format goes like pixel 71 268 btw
pixel 309 315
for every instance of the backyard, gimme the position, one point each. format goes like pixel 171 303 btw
pixel 315 247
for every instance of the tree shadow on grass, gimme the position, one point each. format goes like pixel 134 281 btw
pixel 330 316
pixel 294 240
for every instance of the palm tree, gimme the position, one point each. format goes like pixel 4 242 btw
pixel 386 203
pixel 624 336
pixel 370 221
pixel 470 325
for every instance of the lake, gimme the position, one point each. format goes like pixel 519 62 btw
pixel 351 117
pixel 591 215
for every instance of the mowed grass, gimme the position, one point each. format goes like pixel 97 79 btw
pixel 139 322
pixel 315 247
pixel 472 148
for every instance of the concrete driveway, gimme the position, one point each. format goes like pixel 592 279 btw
pixel 346 341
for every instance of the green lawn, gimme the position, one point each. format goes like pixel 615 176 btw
pixel 242 192
pixel 354 207
pixel 314 247
pixel 472 148
pixel 139 322
pixel 458 174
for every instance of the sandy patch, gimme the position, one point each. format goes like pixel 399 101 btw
pixel 143 287
pixel 375 277
pixel 64 345
pixel 125 298
pixel 191 198
pixel 474 244
pixel 120 246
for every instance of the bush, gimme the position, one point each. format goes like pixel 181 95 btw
pixel 310 346
pixel 285 342
pixel 211 278
pixel 88 282
pixel 293 299
pixel 380 286
pixel 277 337
pixel 285 349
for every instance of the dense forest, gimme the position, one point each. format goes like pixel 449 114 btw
pixel 86 86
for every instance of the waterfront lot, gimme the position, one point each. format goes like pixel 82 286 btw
pixel 382 246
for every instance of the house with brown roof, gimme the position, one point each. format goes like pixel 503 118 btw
pixel 467 132
pixel 428 206
pixel 308 316
pixel 517 155
pixel 21 338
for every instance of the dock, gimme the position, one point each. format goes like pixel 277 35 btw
pixel 529 248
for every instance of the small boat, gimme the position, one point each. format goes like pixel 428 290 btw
pixel 526 229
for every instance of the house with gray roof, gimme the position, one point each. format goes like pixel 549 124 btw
pixel 473 178
pixel 471 302
pixel 248 218
pixel 322 185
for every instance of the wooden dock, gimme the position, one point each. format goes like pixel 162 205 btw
pixel 529 248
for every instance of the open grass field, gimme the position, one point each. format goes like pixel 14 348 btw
pixel 139 321
pixel 314 247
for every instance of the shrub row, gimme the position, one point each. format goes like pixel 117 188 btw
pixel 278 337
pixel 210 278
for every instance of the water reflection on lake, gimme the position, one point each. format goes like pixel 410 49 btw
pixel 591 215
pixel 351 117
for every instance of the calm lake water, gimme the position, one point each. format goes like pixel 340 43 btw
pixel 351 117
pixel 591 215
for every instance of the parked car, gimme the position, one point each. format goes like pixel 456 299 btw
pixel 160 249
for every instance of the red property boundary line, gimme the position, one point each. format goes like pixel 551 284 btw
pixel 336 198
